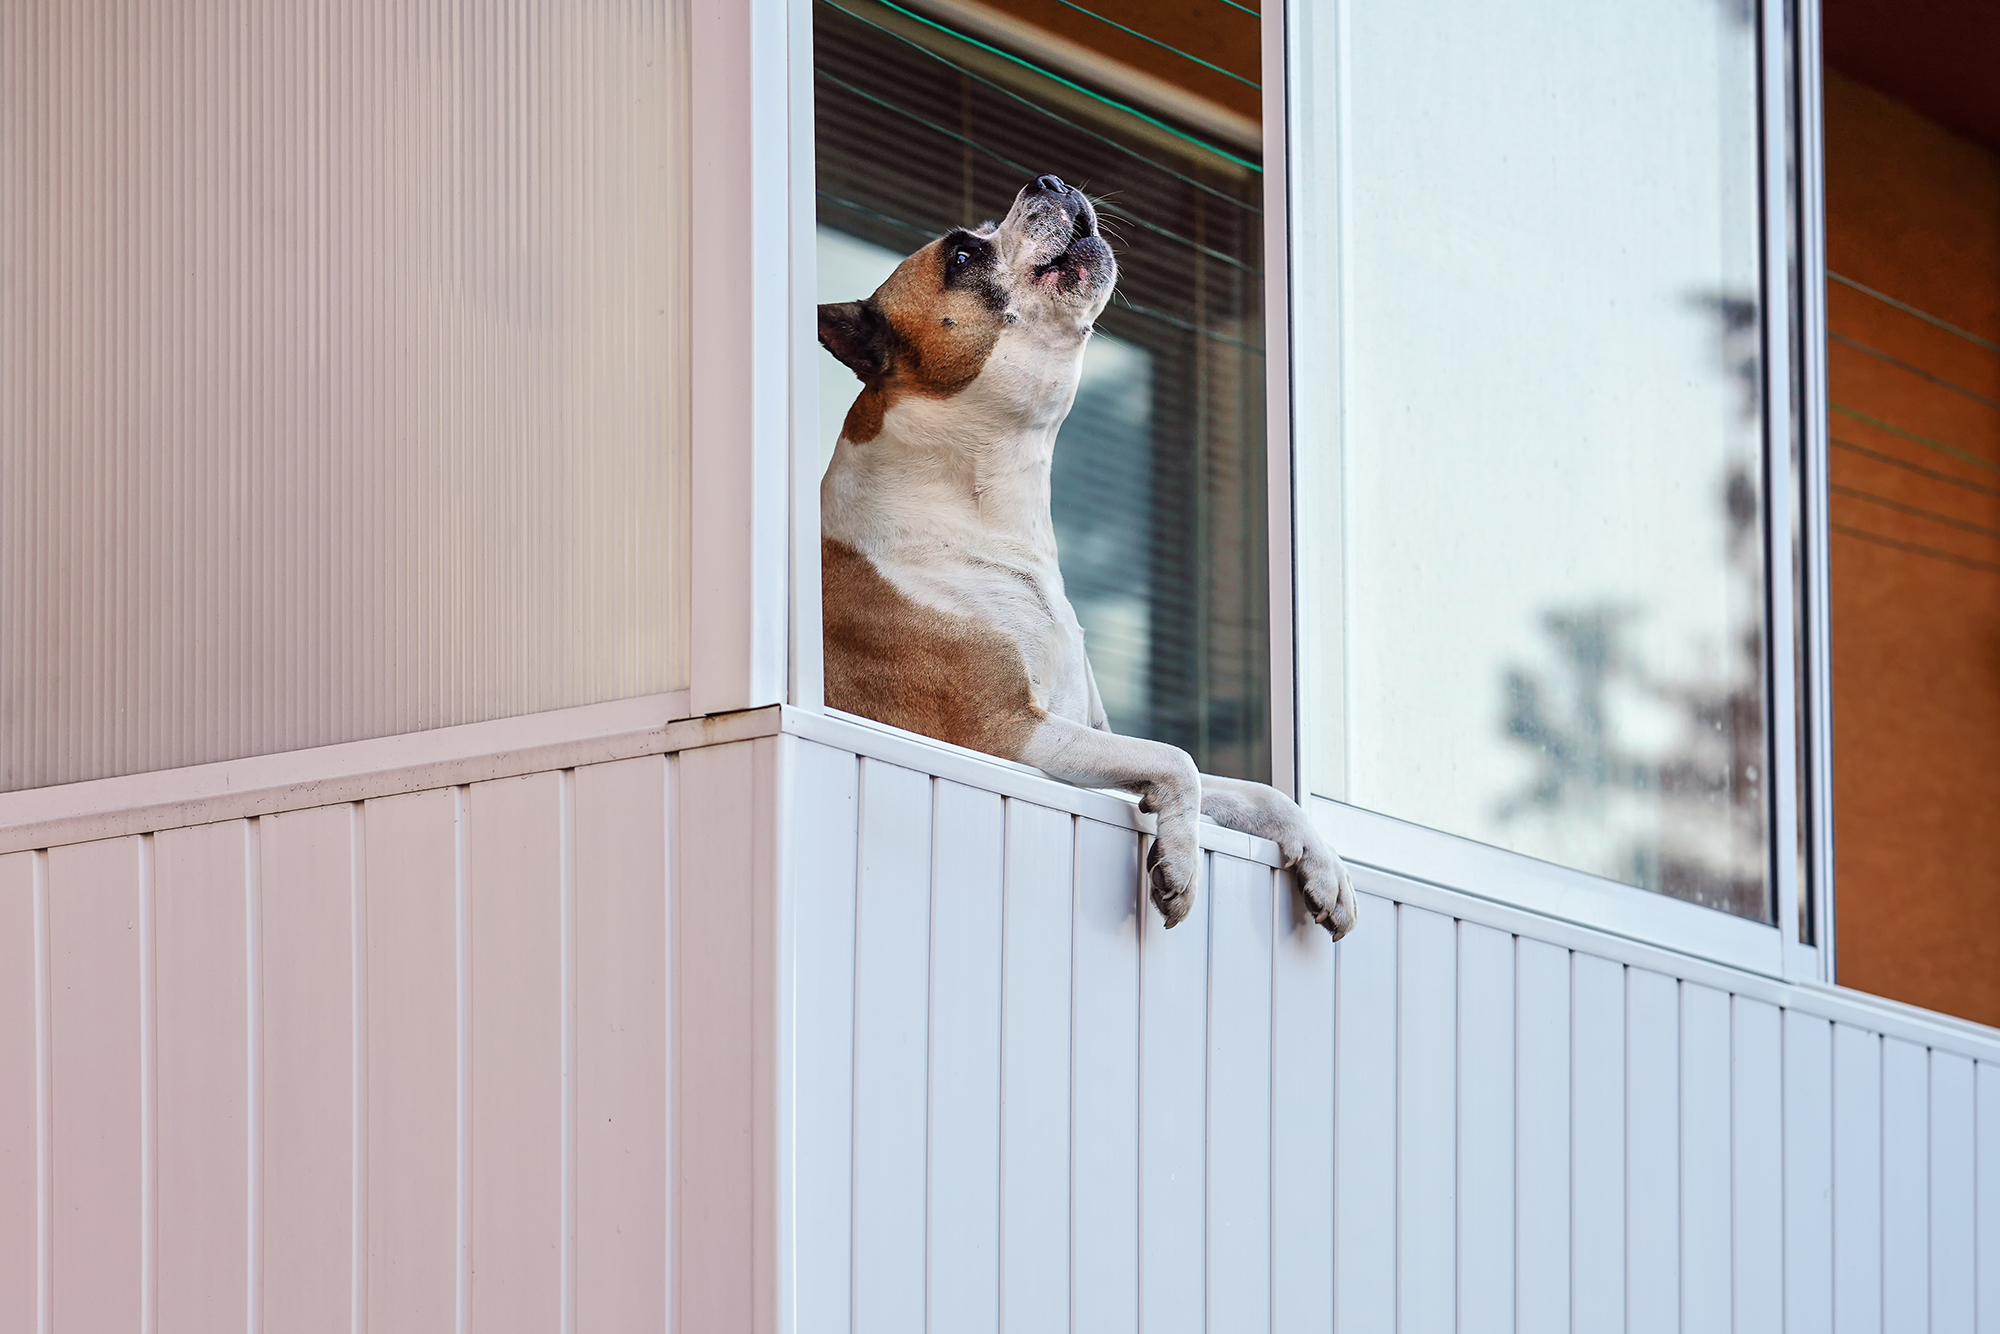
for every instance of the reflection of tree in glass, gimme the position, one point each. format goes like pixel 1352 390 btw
pixel 1742 328
pixel 1684 818
pixel 1658 779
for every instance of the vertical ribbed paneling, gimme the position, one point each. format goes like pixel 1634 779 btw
pixel 1518 1135
pixel 400 1064
pixel 20 1092
pixel 342 372
pixel 507 1056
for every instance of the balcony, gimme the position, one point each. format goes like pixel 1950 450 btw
pixel 611 1018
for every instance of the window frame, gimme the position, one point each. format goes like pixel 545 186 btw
pixel 777 118
pixel 1816 713
pixel 1798 730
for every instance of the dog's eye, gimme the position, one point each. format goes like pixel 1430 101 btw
pixel 960 257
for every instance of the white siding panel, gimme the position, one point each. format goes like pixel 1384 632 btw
pixel 1597 1145
pixel 1986 1222
pixel 1426 1121
pixel 1035 1066
pixel 308 899
pixel 1541 1136
pixel 202 1008
pixel 621 899
pixel 1951 1152
pixel 516 932
pixel 411 1068
pixel 1652 1153
pixel 964 1275
pixel 824 841
pixel 1302 1148
pixel 1808 1131
pixel 1105 1134
pixel 1485 1130
pixel 1857 1180
pixel 1704 1158
pixel 1239 1095
pixel 891 1003
pixel 1906 1278
pixel 101 1099
pixel 1757 1193
pixel 20 1093
pixel 724 799
pixel 1173 1120
pixel 1364 1122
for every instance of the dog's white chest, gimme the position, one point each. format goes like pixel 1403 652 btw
pixel 1022 597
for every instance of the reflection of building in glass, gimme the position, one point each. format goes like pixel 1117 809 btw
pixel 1158 489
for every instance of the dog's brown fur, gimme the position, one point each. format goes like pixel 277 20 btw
pixel 939 340
pixel 915 667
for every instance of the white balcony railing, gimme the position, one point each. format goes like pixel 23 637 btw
pixel 786 1021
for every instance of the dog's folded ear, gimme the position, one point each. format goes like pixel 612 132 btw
pixel 858 337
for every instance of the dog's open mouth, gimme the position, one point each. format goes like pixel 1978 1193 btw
pixel 1083 260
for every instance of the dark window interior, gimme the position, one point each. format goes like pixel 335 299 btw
pixel 1159 486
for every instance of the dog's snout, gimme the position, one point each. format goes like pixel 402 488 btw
pixel 1051 184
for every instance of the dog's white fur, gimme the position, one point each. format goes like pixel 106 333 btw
pixel 949 501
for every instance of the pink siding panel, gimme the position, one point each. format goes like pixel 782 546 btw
pixel 716 869
pixel 307 896
pixel 20 1094
pixel 201 1004
pixel 411 878
pixel 96 1012
pixel 517 904
pixel 621 1044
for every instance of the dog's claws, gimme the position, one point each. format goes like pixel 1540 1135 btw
pixel 1335 912
pixel 1173 901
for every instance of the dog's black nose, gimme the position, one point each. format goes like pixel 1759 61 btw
pixel 1052 184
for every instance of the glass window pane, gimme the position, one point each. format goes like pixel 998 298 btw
pixel 1158 487
pixel 342 390
pixel 1530 430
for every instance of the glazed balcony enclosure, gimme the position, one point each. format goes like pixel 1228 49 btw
pixel 435 894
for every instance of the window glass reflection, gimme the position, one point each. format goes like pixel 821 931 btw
pixel 1540 623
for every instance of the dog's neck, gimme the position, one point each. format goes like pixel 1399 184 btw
pixel 968 470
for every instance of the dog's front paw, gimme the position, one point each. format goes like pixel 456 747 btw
pixel 1173 865
pixel 1328 890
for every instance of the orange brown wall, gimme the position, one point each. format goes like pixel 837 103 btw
pixel 1227 39
pixel 1913 212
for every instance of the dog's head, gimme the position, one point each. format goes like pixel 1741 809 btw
pixel 1006 308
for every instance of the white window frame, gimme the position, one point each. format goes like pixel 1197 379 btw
pixel 756 519
pixel 1794 493
pixel 750 97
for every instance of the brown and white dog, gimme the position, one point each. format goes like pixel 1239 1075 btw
pixel 943 604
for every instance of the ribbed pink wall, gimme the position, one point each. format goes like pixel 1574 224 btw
pixel 342 372
pixel 407 1056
